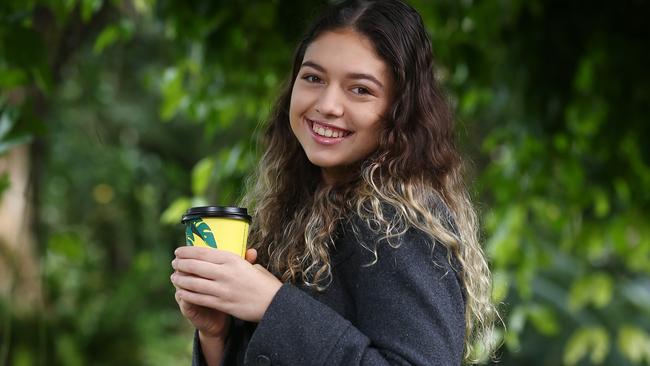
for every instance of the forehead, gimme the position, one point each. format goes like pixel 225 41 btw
pixel 346 51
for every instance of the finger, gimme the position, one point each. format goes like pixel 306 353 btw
pixel 201 299
pixel 207 254
pixel 197 268
pixel 187 309
pixel 175 275
pixel 251 255
pixel 196 284
pixel 178 299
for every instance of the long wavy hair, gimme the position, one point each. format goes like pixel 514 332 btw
pixel 416 171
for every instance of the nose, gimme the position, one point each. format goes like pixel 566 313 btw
pixel 329 102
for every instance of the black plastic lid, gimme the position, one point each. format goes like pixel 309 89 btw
pixel 216 211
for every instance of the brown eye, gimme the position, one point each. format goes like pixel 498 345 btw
pixel 311 78
pixel 360 91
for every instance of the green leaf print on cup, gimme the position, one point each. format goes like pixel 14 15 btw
pixel 189 235
pixel 202 229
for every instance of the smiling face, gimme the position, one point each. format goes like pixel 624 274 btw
pixel 338 99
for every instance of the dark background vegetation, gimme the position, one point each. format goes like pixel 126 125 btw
pixel 130 111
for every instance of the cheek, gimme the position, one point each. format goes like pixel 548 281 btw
pixel 299 101
pixel 367 120
pixel 373 141
pixel 370 126
pixel 292 103
pixel 294 106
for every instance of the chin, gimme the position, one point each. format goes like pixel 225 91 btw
pixel 323 163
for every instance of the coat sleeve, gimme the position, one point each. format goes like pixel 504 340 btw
pixel 409 311
pixel 197 353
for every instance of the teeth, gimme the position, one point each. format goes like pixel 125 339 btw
pixel 326 132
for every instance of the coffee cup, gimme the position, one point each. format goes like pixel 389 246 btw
pixel 218 227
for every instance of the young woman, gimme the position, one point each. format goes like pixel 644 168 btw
pixel 364 236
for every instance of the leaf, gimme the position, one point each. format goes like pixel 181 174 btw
pixel 524 276
pixel 88 8
pixel 13 77
pixel 107 37
pixel 600 342
pixel 622 190
pixel 143 6
pixel 69 351
pixel 6 123
pixel 561 142
pixel 23 356
pixel 112 34
pixel 203 230
pixel 587 340
pixel 596 289
pixel 601 203
pixel 9 140
pixel 68 245
pixel 585 75
pixel 173 93
pixel 16 141
pixel 5 183
pixel 504 245
pixel 229 161
pixel 634 343
pixel 603 288
pixel 500 286
pixel 201 174
pixel 576 348
pixel 543 319
pixel 516 323
pixel 189 234
pixel 175 211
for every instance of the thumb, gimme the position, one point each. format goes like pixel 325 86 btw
pixel 251 256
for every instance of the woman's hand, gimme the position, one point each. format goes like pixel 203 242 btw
pixel 211 323
pixel 220 280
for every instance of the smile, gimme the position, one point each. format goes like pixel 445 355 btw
pixel 327 131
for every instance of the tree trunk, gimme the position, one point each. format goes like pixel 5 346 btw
pixel 19 271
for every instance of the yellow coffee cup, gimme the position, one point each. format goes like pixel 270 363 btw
pixel 219 227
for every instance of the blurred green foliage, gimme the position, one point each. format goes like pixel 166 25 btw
pixel 139 109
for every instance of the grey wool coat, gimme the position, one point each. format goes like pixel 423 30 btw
pixel 405 309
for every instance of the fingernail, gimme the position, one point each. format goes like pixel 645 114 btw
pixel 176 251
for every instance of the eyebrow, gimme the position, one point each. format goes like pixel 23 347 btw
pixel 354 75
